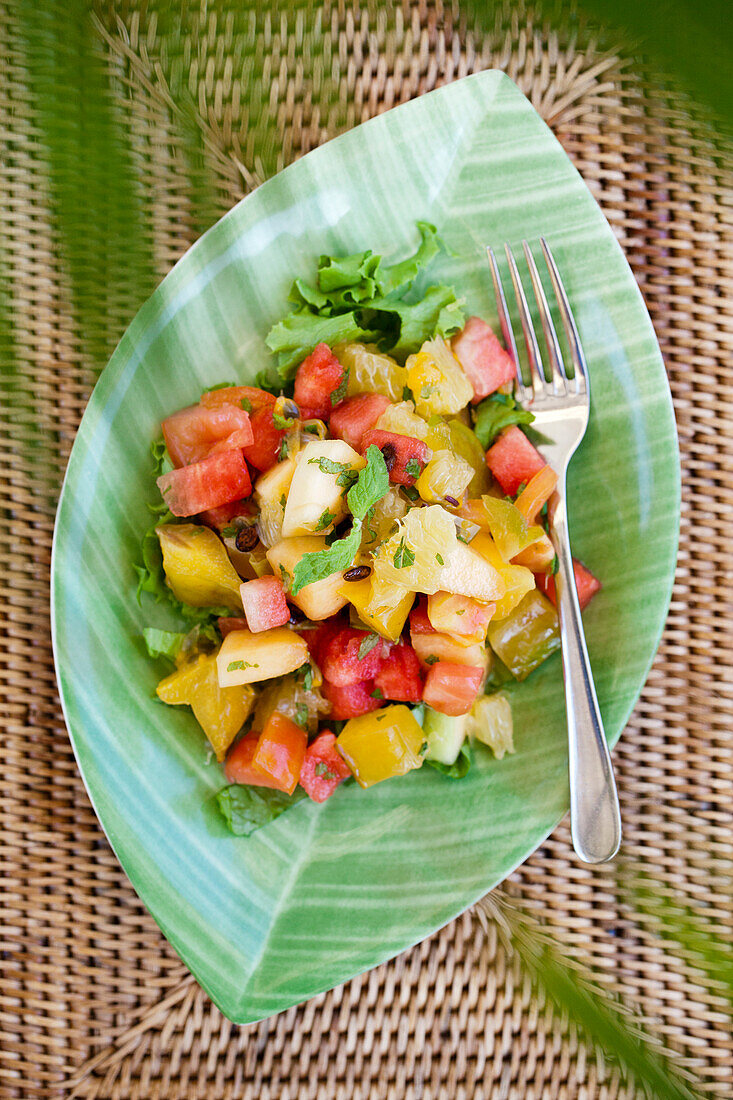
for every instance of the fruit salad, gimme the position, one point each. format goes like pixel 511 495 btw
pixel 357 547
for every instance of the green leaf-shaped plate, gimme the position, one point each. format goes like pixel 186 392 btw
pixel 325 892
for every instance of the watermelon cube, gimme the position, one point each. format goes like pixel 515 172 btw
pixel 485 362
pixel 340 661
pixel 513 460
pixel 264 603
pixel 406 457
pixel 419 621
pixel 214 481
pixel 452 689
pixel 357 416
pixel 320 384
pixel 351 700
pixel 324 768
pixel 227 623
pixel 264 451
pixel 586 584
pixel 399 677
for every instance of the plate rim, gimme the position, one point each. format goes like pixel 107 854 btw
pixel 109 376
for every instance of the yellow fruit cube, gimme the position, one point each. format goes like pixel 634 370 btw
pixel 381 745
pixel 467 620
pixel 370 371
pixel 468 573
pixel 318 600
pixel 518 580
pixel 221 712
pixel 247 658
pixel 383 607
pixel 197 566
pixel 443 647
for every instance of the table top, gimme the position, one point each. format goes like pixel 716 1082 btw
pixel 93 1001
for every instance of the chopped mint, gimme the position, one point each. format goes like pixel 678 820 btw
pixel 340 392
pixel 413 468
pixel 246 404
pixel 323 771
pixel 345 475
pixel 220 386
pixel 326 519
pixel 439 559
pixel 367 646
pixel 404 556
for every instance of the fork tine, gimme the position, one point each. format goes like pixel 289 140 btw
pixel 582 383
pixel 506 325
pixel 557 366
pixel 539 384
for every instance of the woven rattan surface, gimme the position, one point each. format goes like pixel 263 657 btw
pixel 93 1002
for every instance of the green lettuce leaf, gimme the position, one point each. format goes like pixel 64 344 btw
pixel 397 278
pixel 248 808
pixel 459 768
pixel 496 413
pixel 412 323
pixel 163 643
pixel 297 334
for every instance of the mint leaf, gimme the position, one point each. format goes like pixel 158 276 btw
pixel 459 768
pixel 367 646
pixel 404 556
pixel 220 386
pixel 372 484
pixel 496 413
pixel 325 520
pixel 323 563
pixel 345 475
pixel 340 392
pixel 323 770
pixel 377 694
pixel 283 423
pixel 413 468
pixel 246 404
pixel 162 643
pixel 248 808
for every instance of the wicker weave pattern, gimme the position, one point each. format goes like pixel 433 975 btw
pixel 93 1002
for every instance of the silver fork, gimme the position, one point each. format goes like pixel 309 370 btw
pixel 561 407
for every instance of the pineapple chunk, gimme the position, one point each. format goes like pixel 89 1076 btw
pixel 319 600
pixel 468 573
pixel 271 492
pixel 317 498
pixel 246 658
pixel 197 566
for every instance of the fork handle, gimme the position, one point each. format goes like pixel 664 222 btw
pixel 595 820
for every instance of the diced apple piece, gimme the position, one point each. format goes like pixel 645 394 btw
pixel 442 647
pixel 197 566
pixel 246 658
pixel 316 500
pixel 467 573
pixel 319 600
pixel 466 619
